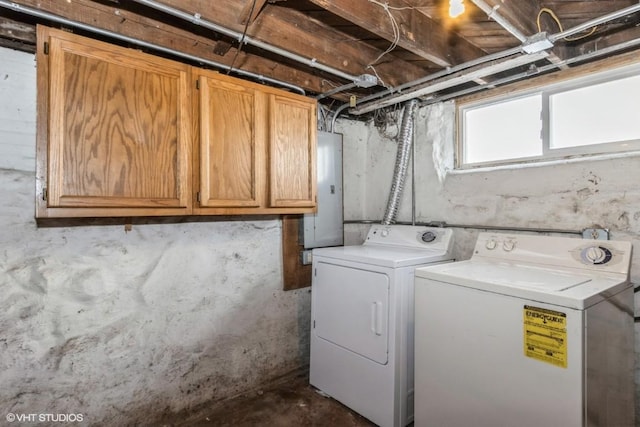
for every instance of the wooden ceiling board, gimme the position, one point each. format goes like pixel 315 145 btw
pixel 346 35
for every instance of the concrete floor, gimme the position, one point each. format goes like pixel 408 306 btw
pixel 290 403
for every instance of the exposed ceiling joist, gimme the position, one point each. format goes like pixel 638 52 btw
pixel 405 26
pixel 340 39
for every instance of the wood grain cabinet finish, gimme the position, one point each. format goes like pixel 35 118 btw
pixel 256 146
pixel 124 133
pixel 113 130
pixel 231 145
pixel 292 152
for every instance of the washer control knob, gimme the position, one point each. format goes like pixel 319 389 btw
pixel 428 236
pixel 491 244
pixel 596 255
pixel 509 245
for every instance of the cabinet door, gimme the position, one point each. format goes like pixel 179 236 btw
pixel 118 129
pixel 231 134
pixel 292 151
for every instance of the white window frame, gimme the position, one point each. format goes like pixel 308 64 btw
pixel 579 79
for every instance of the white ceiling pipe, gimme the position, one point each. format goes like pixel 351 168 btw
pixel 536 71
pixel 492 12
pixel 595 22
pixel 445 72
pixel 451 82
pixel 394 98
pixel 95 30
pixel 197 20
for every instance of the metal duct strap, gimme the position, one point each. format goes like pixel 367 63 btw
pixel 405 141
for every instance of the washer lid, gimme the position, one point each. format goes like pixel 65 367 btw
pixel 564 287
pixel 383 256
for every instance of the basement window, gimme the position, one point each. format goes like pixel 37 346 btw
pixel 597 114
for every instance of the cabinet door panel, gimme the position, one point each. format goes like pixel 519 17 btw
pixel 228 144
pixel 118 129
pixel 292 152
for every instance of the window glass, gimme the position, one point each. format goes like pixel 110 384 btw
pixel 602 113
pixel 592 114
pixel 505 130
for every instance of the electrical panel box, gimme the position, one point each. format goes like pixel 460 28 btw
pixel 325 227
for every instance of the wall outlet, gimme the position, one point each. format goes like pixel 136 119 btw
pixel 306 257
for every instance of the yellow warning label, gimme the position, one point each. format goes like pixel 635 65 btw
pixel 545 335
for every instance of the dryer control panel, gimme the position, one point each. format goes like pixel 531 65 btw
pixel 410 236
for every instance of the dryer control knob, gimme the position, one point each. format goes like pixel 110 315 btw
pixel 509 245
pixel 428 236
pixel 596 255
pixel 491 244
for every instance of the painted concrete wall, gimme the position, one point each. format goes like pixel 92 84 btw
pixel 122 326
pixel 564 195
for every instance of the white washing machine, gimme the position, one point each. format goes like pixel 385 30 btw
pixel 531 331
pixel 362 319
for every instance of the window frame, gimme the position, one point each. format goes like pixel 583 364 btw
pixel 549 85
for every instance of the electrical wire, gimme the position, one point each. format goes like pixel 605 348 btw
pixel 396 35
pixel 557 20
pixel 396 38
pixel 244 34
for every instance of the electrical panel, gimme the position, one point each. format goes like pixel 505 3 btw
pixel 325 227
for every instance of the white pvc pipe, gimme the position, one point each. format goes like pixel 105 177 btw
pixel 492 12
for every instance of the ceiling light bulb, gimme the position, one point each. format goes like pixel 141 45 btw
pixel 456 8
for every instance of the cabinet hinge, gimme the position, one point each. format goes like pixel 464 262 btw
pixel 46 48
pixel 198 84
pixel 198 196
pixel 44 194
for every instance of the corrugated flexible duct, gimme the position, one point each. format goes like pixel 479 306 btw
pixel 403 156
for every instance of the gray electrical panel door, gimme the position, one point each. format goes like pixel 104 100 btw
pixel 325 227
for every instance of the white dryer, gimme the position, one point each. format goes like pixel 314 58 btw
pixel 362 319
pixel 531 331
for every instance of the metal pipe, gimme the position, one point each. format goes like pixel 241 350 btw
pixel 445 72
pixel 95 30
pixel 394 100
pixel 336 90
pixel 504 228
pixel 197 20
pixel 405 142
pixel 454 81
pixel 538 70
pixel 471 226
pixel 442 73
pixel 595 22
pixel 339 110
pixel 492 13
pixel 413 170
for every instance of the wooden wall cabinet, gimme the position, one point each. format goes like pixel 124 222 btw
pixel 257 148
pixel 114 130
pixel 124 133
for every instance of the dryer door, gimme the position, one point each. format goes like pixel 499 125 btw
pixel 351 309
